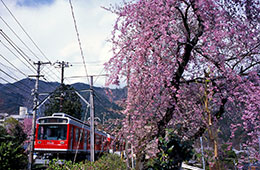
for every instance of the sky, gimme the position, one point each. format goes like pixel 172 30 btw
pixel 50 24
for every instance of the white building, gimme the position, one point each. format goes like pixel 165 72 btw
pixel 23 113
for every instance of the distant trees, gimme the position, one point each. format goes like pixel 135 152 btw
pixel 12 153
pixel 71 104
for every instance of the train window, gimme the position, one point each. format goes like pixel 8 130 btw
pixel 53 120
pixel 50 132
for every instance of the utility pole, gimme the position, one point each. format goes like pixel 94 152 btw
pixel 62 65
pixel 104 115
pixel 35 105
pixel 202 153
pixel 92 116
pixel 92 128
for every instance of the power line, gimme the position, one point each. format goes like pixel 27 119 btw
pixel 100 101
pixel 13 84
pixel 8 68
pixel 25 44
pixel 20 54
pixel 49 74
pixel 89 62
pixel 19 38
pixel 25 32
pixel 13 78
pixel 13 65
pixel 77 32
pixel 16 56
pixel 17 49
pixel 9 40
pixel 9 89
pixel 49 84
pixel 23 29
pixel 99 75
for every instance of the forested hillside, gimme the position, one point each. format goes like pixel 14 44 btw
pixel 12 97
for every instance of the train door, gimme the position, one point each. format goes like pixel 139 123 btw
pixel 76 138
pixel 71 137
pixel 97 142
pixel 88 141
pixel 102 143
pixel 85 139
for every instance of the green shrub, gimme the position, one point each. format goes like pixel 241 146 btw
pixel 110 162
pixel 12 156
pixel 12 153
pixel 106 162
pixel 173 151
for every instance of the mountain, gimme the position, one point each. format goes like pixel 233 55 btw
pixel 14 95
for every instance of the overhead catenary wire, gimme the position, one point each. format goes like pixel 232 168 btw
pixel 78 37
pixel 99 75
pixel 89 62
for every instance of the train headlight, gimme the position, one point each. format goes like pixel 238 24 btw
pixel 39 142
pixel 61 142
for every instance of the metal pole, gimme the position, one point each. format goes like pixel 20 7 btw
pixel 62 72
pixel 92 129
pixel 35 103
pixel 104 115
pixel 62 85
pixel 62 65
pixel 132 156
pixel 202 153
pixel 35 109
pixel 259 143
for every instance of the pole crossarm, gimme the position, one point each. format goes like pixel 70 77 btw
pixel 62 65
pixel 88 76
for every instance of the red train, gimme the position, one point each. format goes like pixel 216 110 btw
pixel 62 135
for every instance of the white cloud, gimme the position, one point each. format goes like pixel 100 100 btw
pixel 52 28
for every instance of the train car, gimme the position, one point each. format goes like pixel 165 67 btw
pixel 62 135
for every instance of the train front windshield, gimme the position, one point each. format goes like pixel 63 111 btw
pixel 52 132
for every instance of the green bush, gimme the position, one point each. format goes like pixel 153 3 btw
pixel 106 162
pixel 12 156
pixel 110 162
pixel 173 151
